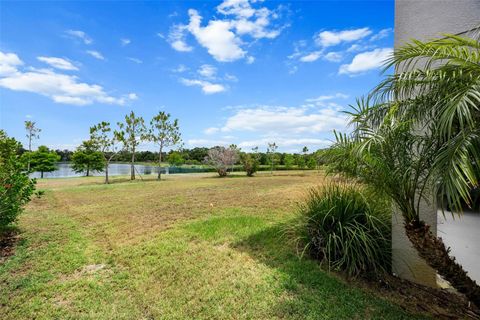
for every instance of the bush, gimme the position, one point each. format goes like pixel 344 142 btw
pixel 250 163
pixel 347 227
pixel 221 159
pixel 16 187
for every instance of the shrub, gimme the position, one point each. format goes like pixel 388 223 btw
pixel 347 227
pixel 250 163
pixel 221 159
pixel 16 187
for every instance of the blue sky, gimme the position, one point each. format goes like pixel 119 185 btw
pixel 232 72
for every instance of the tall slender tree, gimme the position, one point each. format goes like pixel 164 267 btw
pixel 104 138
pixel 32 133
pixel 164 133
pixel 272 152
pixel 131 133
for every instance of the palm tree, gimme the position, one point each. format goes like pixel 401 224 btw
pixel 440 90
pixel 417 136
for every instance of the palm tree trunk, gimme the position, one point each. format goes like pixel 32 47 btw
pixel 433 250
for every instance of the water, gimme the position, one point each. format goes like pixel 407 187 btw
pixel 64 170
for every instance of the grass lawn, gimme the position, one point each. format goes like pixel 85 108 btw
pixel 189 247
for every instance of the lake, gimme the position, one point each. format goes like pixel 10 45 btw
pixel 64 170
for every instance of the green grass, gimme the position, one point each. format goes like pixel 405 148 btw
pixel 184 248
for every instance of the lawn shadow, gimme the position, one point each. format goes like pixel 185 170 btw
pixel 312 292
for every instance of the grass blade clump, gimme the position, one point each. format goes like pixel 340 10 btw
pixel 347 227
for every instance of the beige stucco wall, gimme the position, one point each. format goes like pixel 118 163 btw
pixel 462 234
pixel 406 263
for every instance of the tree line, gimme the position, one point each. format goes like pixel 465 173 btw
pixel 120 144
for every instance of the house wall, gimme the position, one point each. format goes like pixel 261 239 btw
pixel 461 234
pixel 423 20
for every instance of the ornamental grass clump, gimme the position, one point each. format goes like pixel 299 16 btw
pixel 348 228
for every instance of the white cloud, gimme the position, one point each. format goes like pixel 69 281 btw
pixel 125 41
pixel 80 35
pixel 333 56
pixel 9 63
pixel 58 63
pixel 366 61
pixel 176 38
pixel 230 77
pixel 299 120
pixel 240 8
pixel 216 37
pixel 61 88
pixel 332 38
pixel 207 87
pixel 324 98
pixel 208 142
pixel 95 54
pixel 207 71
pixel 248 20
pixel 180 69
pixel 250 60
pixel 132 96
pixel 381 34
pixel 135 60
pixel 311 57
pixel 286 142
pixel 282 142
pixel 289 127
pixel 211 130
pixel 223 37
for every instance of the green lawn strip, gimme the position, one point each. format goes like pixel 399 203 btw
pixel 239 266
pixel 47 277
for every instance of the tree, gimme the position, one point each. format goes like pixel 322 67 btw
pixel 175 159
pixel 311 162
pixel 88 158
pixel 250 162
pixel 164 133
pixel 305 150
pixel 16 187
pixel 289 160
pixel 272 154
pixel 418 138
pixel 130 134
pixel 101 135
pixel 237 150
pixel 300 161
pixel 197 154
pixel 32 133
pixel 221 159
pixel 43 160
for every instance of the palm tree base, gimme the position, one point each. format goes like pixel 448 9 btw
pixel 433 250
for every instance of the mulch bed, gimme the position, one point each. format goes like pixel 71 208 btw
pixel 418 299
pixel 8 241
